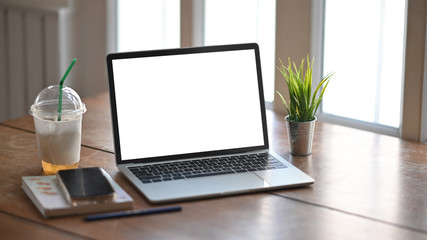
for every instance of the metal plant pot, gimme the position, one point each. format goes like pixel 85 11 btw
pixel 300 135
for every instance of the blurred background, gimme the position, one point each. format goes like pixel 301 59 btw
pixel 376 48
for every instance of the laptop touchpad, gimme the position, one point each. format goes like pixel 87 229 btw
pixel 214 186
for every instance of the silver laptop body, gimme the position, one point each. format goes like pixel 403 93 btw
pixel 175 108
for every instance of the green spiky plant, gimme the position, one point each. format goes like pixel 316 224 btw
pixel 303 105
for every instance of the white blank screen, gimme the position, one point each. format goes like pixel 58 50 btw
pixel 187 103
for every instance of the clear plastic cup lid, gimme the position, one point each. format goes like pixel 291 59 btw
pixel 46 104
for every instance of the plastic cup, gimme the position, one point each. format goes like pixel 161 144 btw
pixel 58 142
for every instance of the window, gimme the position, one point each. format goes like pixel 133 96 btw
pixel 366 52
pixel 147 24
pixel 386 110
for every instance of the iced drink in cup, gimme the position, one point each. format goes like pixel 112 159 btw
pixel 58 132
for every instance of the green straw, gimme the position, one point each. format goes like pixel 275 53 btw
pixel 61 84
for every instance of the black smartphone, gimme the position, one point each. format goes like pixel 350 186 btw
pixel 85 185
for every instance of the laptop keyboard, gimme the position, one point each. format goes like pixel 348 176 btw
pixel 161 172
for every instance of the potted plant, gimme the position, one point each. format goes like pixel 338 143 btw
pixel 303 104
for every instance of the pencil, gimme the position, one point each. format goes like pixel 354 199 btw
pixel 149 211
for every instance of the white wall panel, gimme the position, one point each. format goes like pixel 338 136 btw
pixel 35 60
pixel 38 40
pixel 51 49
pixel 15 59
pixel 4 110
pixel 29 55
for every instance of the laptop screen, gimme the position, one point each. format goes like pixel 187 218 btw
pixel 185 102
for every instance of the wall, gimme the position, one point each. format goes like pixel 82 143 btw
pixel 87 42
pixel 292 39
pixel 415 53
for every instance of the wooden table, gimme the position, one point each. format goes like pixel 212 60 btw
pixel 368 186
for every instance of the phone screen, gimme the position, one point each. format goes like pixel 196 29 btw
pixel 85 184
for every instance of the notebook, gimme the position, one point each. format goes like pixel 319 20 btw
pixel 48 197
pixel 190 123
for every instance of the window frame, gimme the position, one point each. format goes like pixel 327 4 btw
pixel 309 38
pixel 317 47
pixel 413 124
pixel 192 28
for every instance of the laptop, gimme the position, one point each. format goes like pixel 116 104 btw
pixel 190 123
